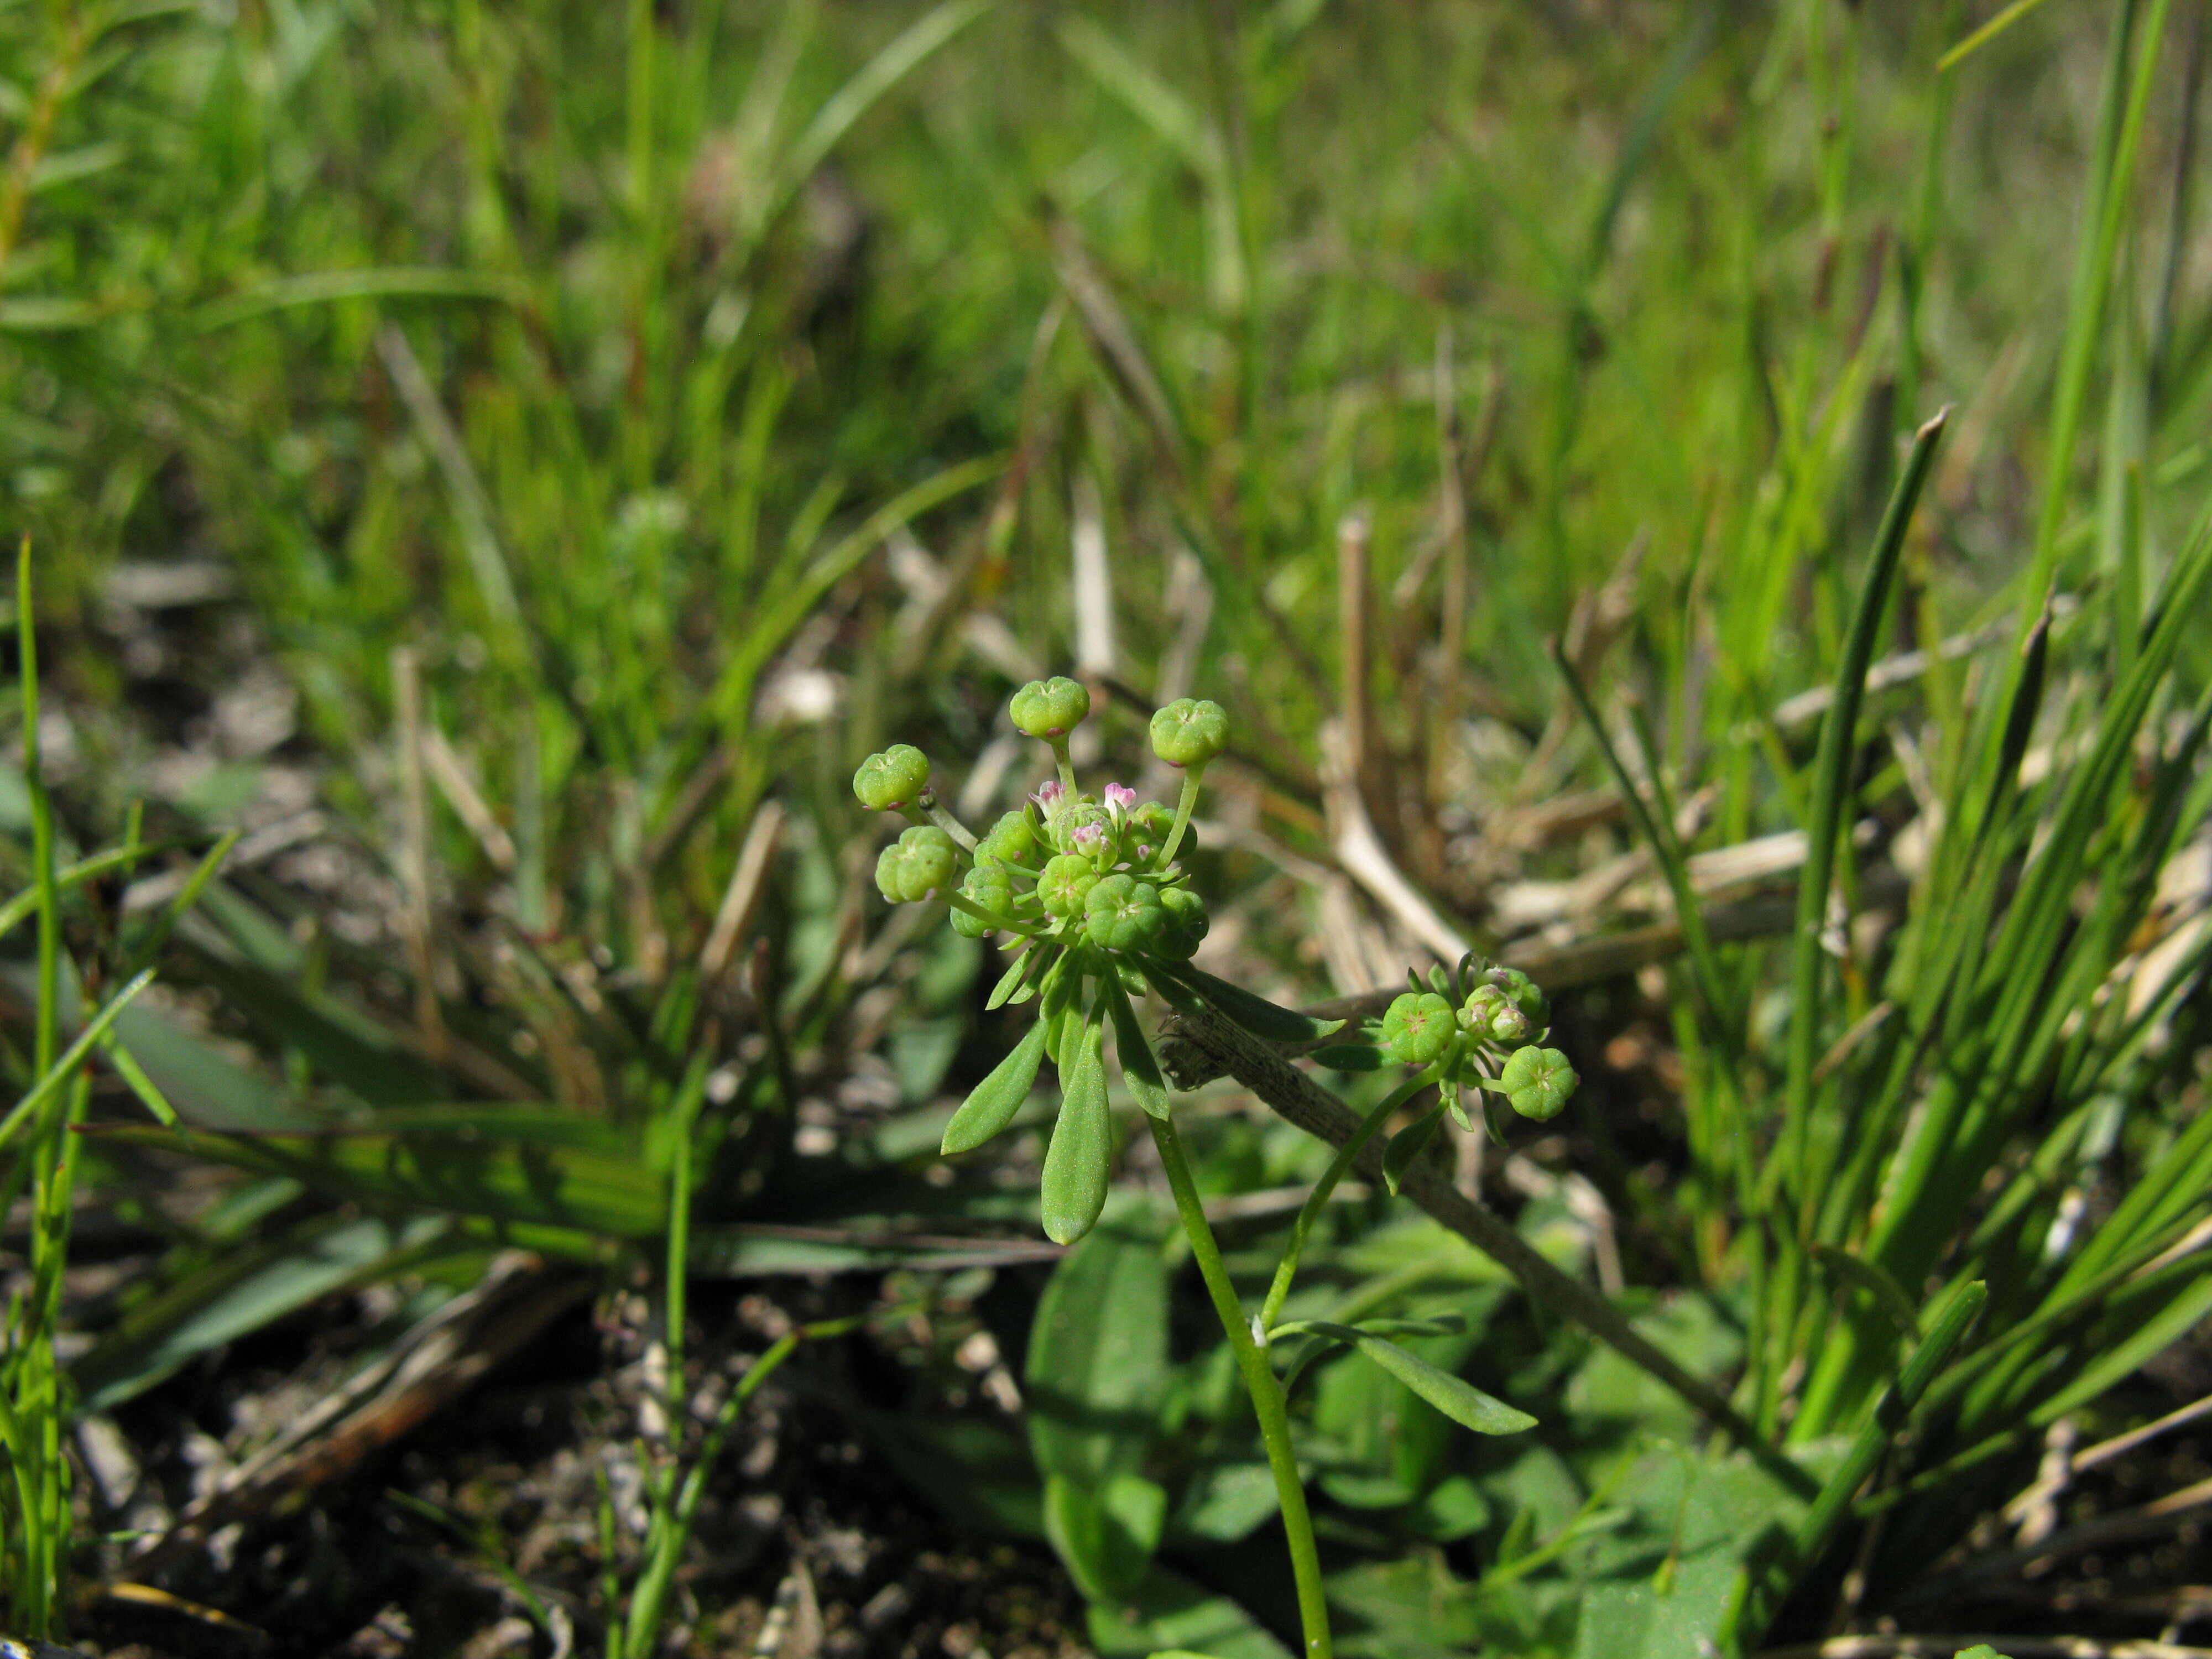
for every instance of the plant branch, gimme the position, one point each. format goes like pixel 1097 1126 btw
pixel 1302 1101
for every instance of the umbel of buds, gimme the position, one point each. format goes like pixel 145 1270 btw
pixel 1096 907
pixel 1475 1027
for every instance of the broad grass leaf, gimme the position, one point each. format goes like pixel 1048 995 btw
pixel 1107 1534
pixel 1414 1608
pixel 532 1165
pixel 1097 1365
pixel 976 1471
pixel 992 1103
pixel 1166 1613
pixel 1225 1502
pixel 244 1288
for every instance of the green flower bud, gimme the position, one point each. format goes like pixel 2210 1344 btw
pixel 922 861
pixel 1418 1028
pixel 1491 1014
pixel 1123 914
pixel 1065 882
pixel 1538 1082
pixel 1146 831
pixel 1189 734
pixel 1012 840
pixel 1187 922
pixel 1050 709
pixel 892 778
pixel 1523 994
pixel 1086 828
pixel 992 889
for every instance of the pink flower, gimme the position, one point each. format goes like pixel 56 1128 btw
pixel 1120 795
pixel 1089 837
pixel 1049 793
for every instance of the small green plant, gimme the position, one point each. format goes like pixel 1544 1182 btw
pixel 1098 909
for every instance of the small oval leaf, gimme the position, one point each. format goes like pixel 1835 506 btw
pixel 1462 1401
pixel 1077 1162
pixel 992 1103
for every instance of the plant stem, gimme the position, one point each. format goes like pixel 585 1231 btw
pixel 944 821
pixel 1309 1212
pixel 989 918
pixel 1258 1374
pixel 1187 800
pixel 1303 1101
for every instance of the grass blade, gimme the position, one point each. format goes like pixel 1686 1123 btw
pixel 1831 778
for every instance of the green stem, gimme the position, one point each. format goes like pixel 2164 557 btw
pixel 642 1625
pixel 1183 806
pixel 1309 1212
pixel 944 821
pixel 1066 766
pixel 1258 1374
pixel 989 918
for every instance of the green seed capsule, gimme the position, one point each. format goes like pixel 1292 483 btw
pixel 1050 709
pixel 1065 882
pixel 992 889
pixel 922 861
pixel 1123 914
pixel 1538 1082
pixel 1187 922
pixel 892 778
pixel 1188 732
pixel 1012 840
pixel 1418 1028
pixel 1147 830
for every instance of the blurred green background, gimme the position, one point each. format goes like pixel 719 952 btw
pixel 509 463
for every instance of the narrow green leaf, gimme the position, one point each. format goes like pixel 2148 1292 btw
pixel 1864 1275
pixel 1759 1596
pixel 1348 1057
pixel 1407 1146
pixel 73 1057
pixel 241 1291
pixel 1460 1401
pixel 992 1103
pixel 389 281
pixel 1079 1159
pixel 1139 1065
pixel 1262 1017
pixel 1172 991
pixel 1016 972
pixel 1831 774
pixel 534 1164
pixel 1442 1324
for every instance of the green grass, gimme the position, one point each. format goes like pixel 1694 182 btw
pixel 528 367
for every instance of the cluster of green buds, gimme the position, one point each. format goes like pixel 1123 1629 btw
pixel 1475 1026
pixel 1095 907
